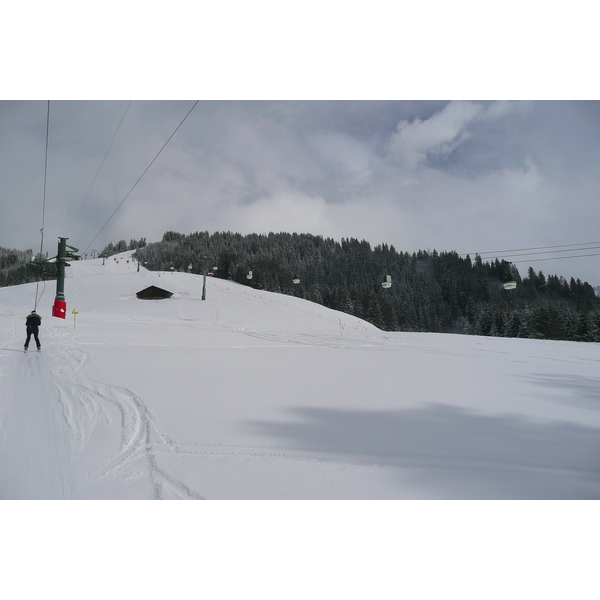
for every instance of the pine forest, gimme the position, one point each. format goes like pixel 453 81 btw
pixel 430 291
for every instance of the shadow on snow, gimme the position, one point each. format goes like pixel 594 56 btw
pixel 453 453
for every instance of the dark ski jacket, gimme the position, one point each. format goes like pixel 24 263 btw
pixel 32 322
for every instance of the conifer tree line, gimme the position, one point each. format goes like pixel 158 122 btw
pixel 122 246
pixel 431 291
pixel 23 266
pixel 16 267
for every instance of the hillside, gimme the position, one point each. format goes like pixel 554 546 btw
pixel 431 291
pixel 257 395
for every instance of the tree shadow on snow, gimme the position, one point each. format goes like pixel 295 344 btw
pixel 448 452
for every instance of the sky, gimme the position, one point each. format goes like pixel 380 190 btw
pixel 461 175
pixel 448 127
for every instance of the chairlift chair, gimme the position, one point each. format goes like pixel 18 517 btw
pixel 509 279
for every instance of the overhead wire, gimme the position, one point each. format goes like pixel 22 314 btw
pixel 41 254
pixel 555 258
pixel 99 168
pixel 535 248
pixel 510 254
pixel 142 175
pixel 553 252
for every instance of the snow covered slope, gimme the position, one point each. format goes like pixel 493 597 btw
pixel 251 395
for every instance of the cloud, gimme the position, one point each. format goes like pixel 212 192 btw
pixel 283 211
pixel 416 142
pixel 344 152
pixel 439 134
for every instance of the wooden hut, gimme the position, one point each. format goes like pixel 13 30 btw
pixel 153 293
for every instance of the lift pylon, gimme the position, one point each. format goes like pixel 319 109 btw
pixel 59 309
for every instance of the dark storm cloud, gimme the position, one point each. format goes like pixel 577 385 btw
pixel 466 176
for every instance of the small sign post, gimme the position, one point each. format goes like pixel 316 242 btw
pixel 74 313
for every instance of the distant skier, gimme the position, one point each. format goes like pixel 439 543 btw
pixel 33 322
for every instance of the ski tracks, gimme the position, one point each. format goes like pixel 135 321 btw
pixel 134 463
pixel 76 437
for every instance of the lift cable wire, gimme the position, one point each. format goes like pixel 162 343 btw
pixel 140 177
pixel 555 258
pixel 509 254
pixel 41 254
pixel 99 169
pixel 551 252
pixel 495 252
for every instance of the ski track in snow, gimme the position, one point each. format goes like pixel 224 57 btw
pixel 67 410
pixel 81 406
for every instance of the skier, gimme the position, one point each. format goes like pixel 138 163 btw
pixel 32 322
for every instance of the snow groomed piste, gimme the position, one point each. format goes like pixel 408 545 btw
pixel 251 394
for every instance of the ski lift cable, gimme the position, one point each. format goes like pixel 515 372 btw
pixel 99 169
pixel 142 175
pixel 555 258
pixel 550 252
pixel 38 298
pixel 537 248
